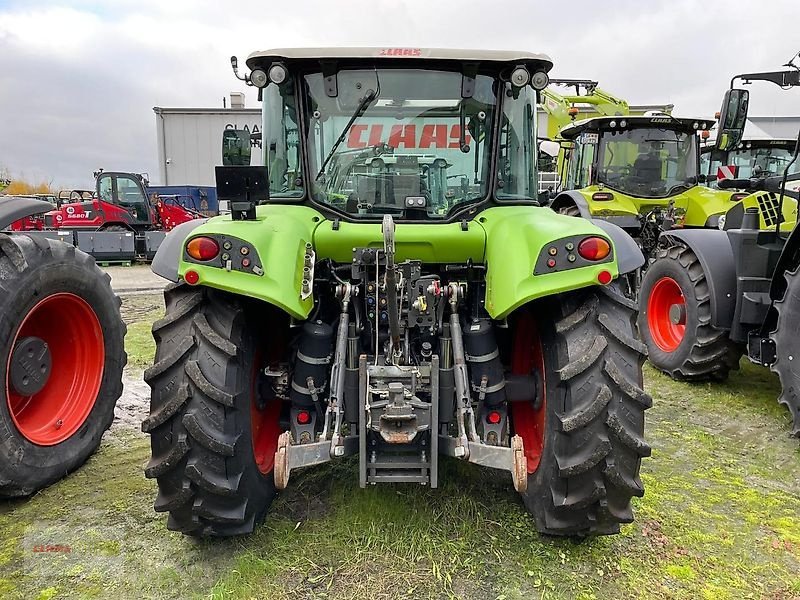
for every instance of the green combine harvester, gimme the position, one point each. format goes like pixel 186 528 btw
pixel 389 288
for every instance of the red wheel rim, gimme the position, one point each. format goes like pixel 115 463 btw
pixel 665 332
pixel 72 332
pixel 529 424
pixel 264 426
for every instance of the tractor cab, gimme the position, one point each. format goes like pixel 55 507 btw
pixel 640 172
pixel 386 137
pixel 752 158
pixel 649 158
pixel 125 193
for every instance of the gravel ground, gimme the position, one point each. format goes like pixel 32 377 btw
pixel 136 279
pixel 134 403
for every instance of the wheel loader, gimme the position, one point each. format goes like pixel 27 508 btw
pixel 61 355
pixel 711 296
pixel 389 288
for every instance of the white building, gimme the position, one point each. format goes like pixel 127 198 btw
pixel 766 128
pixel 190 139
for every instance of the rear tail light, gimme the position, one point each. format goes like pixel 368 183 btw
pixel 738 196
pixel 603 196
pixel 594 248
pixel 191 277
pixel 202 248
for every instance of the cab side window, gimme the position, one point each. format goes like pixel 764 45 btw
pixel 105 189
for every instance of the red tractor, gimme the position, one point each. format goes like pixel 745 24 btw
pixel 121 221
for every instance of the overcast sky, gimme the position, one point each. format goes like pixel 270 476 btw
pixel 78 80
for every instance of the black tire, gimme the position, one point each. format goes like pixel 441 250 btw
pixel 787 347
pixel 704 352
pixel 570 210
pixel 202 386
pixel 33 270
pixel 594 421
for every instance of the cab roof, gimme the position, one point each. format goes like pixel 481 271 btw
pixel 358 54
pixel 597 124
pixel 754 142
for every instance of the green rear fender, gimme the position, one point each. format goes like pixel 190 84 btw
pixel 702 203
pixel 620 205
pixel 510 241
pixel 279 236
pixel 516 238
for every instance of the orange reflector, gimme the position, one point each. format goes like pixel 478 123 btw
pixel 603 196
pixel 604 277
pixel 191 277
pixel 493 417
pixel 594 248
pixel 303 417
pixel 705 134
pixel 202 248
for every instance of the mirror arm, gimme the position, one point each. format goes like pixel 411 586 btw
pixel 779 78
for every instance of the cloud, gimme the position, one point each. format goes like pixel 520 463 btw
pixel 78 80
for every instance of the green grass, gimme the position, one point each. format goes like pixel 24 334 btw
pixel 720 519
pixel 139 312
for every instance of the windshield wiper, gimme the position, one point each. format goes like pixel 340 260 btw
pixel 462 123
pixel 368 97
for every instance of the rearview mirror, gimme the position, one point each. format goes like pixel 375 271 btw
pixel 732 119
pixel 549 147
pixel 236 148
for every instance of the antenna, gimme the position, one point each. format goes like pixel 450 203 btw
pixel 791 62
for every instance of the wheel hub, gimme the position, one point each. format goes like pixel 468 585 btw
pixel 677 314
pixel 30 366
pixel 666 314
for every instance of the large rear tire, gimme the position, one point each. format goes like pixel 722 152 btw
pixel 213 442
pixel 675 319
pixel 787 347
pixel 583 469
pixel 61 360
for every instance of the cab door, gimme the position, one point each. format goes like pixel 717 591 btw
pixel 126 193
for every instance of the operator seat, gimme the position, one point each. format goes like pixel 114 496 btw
pixel 405 186
pixel 374 189
pixel 647 167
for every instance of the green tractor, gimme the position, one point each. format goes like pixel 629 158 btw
pixel 390 288
pixel 641 173
pixel 712 295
